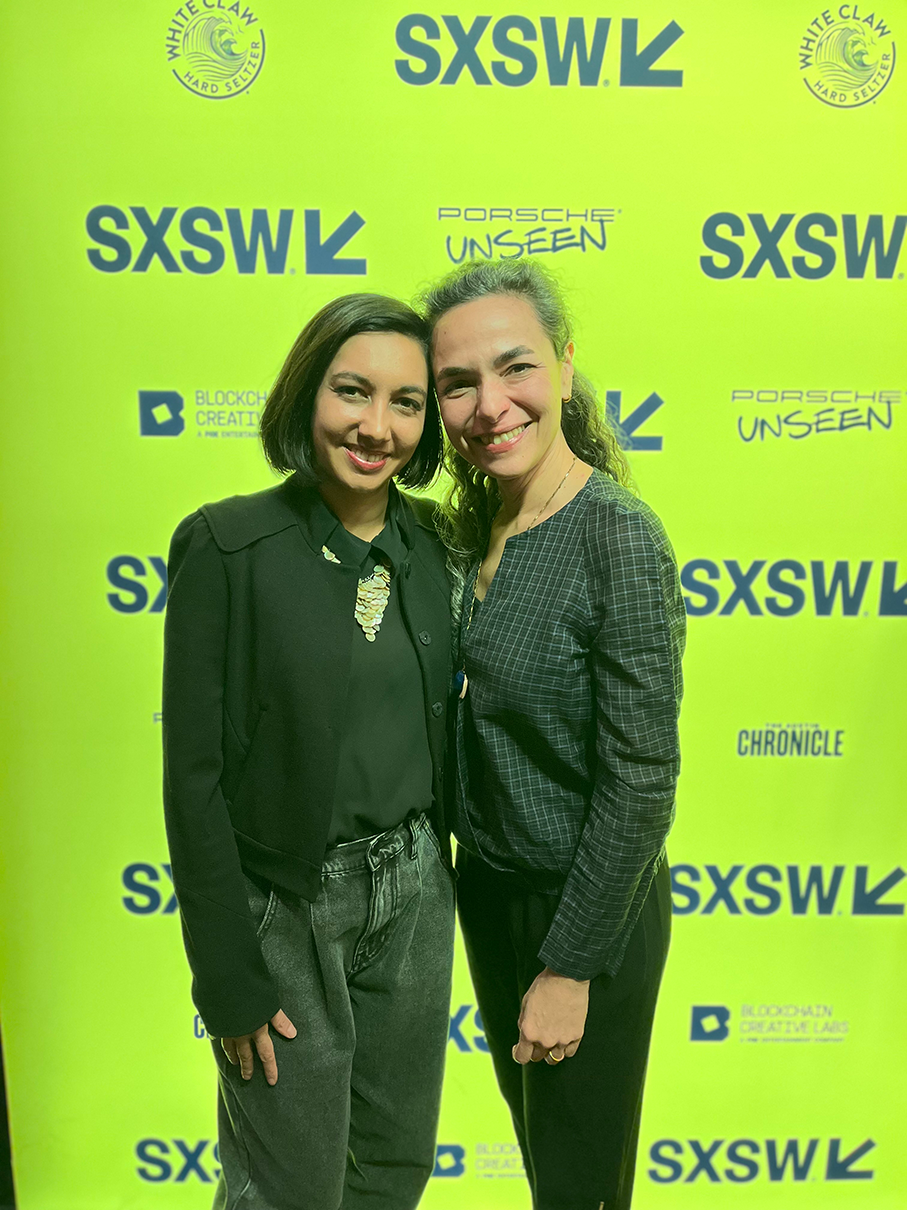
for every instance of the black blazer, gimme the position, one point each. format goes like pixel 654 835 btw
pixel 256 662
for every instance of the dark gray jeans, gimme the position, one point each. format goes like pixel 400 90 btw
pixel 364 975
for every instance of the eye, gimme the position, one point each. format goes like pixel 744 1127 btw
pixel 455 389
pixel 410 405
pixel 519 367
pixel 348 391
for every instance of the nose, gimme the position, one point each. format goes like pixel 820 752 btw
pixel 375 423
pixel 492 401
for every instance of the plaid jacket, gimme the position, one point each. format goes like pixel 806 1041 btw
pixel 567 747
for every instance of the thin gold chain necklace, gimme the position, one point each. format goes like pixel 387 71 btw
pixel 464 679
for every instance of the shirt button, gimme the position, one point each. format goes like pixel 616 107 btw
pixel 436 709
pixel 424 638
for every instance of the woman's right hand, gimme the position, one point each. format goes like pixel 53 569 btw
pixel 241 1051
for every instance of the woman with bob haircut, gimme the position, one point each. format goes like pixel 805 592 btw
pixel 306 675
pixel 571 630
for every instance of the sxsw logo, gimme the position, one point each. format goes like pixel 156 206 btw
pixel 742 1160
pixel 828 584
pixel 627 425
pixel 160 414
pixel 450 1160
pixel 709 1023
pixel 763 889
pixel 177 1161
pixel 256 241
pixel 467 1031
pixel 137 584
pixel 516 63
pixel 859 242
pixel 149 889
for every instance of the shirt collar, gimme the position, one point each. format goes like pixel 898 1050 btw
pixel 390 543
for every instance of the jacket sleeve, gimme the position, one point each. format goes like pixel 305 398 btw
pixel 231 986
pixel 635 659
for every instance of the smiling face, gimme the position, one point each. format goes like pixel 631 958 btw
pixel 370 410
pixel 500 384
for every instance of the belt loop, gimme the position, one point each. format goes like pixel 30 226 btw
pixel 413 826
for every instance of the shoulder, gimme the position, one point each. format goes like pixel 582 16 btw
pixel 618 524
pixel 422 510
pixel 238 521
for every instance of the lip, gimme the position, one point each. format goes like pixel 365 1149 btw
pixel 503 446
pixel 366 468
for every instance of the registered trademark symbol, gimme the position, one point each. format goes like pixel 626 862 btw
pixel 605 83
pixel 292 272
pixel 900 277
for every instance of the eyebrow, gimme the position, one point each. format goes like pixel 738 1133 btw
pixel 500 360
pixel 367 382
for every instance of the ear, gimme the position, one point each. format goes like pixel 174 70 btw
pixel 567 372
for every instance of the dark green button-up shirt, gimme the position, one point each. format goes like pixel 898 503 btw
pixel 384 773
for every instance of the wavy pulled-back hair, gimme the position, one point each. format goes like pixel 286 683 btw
pixel 473 499
pixel 286 420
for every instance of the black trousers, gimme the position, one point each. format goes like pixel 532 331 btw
pixel 577 1122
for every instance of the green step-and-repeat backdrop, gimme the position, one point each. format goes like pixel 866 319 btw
pixel 721 190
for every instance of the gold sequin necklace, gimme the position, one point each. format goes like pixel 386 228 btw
pixel 372 596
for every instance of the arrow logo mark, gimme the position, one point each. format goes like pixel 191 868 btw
pixel 636 69
pixel 839 1169
pixel 893 601
pixel 321 257
pixel 627 426
pixel 866 899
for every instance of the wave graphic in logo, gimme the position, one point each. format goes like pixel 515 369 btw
pixel 847 63
pixel 216 56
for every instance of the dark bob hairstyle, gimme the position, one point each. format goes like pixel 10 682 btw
pixel 286 421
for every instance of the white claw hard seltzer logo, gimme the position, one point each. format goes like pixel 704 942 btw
pixel 215 49
pixel 847 56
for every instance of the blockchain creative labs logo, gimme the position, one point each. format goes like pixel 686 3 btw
pixel 216 413
pixel 215 50
pixel 847 56
pixel 160 414
pixel 768 1022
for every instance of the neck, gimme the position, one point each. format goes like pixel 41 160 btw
pixel 360 513
pixel 522 497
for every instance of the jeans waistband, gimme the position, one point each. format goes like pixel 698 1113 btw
pixel 372 851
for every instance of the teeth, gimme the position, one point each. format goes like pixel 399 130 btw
pixel 366 456
pixel 500 438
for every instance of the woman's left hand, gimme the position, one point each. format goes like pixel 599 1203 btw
pixel 552 1019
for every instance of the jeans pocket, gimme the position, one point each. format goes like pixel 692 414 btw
pixel 263 900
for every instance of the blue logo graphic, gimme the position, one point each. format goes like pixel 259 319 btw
pixel 467 1040
pixel 150 889
pixel 787 1158
pixel 843 581
pixel 131 594
pixel 179 1162
pixel 254 241
pixel 450 1160
pixel 627 425
pixel 804 888
pixel 821 256
pixel 516 64
pixel 160 414
pixel 709 1023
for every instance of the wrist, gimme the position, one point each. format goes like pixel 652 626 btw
pixel 548 973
